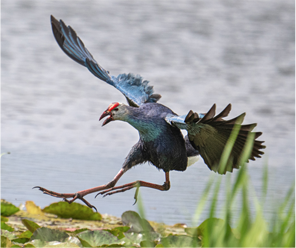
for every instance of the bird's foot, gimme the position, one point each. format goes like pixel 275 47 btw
pixel 120 189
pixel 74 196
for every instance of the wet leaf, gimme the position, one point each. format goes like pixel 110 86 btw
pixel 98 238
pixel 5 242
pixel 118 231
pixel 179 241
pixel 135 222
pixel 33 209
pixel 4 226
pixel 77 231
pixel 26 234
pixel 29 245
pixel 74 210
pixel 30 225
pixel 8 209
pixel 47 234
pixel 14 245
pixel 21 240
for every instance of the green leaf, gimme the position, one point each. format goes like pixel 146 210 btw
pixel 26 234
pixel 21 240
pixel 29 245
pixel 30 225
pixel 47 234
pixel 74 210
pixel 4 226
pixel 98 238
pixel 3 219
pixel 135 222
pixel 15 246
pixel 8 209
pixel 61 245
pixel 77 231
pixel 118 231
pixel 179 241
pixel 5 242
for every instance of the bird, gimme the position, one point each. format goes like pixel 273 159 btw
pixel 161 142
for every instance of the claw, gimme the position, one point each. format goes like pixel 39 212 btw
pixel 65 196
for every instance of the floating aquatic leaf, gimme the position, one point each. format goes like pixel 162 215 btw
pixel 73 210
pixel 98 238
pixel 5 242
pixel 135 222
pixel 118 231
pixel 20 240
pixel 61 244
pixel 26 234
pixel 30 225
pixel 47 234
pixel 8 209
pixel 179 241
pixel 4 226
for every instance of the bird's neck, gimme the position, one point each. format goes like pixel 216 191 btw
pixel 147 126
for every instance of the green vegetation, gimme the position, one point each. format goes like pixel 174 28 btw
pixel 135 231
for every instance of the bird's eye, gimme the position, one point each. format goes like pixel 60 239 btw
pixel 116 109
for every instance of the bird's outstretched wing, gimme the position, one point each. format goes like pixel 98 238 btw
pixel 209 135
pixel 133 87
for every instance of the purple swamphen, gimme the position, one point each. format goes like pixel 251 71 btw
pixel 161 141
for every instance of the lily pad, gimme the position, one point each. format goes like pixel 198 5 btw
pixel 135 222
pixel 4 226
pixel 30 225
pixel 179 241
pixel 5 242
pixel 98 238
pixel 118 231
pixel 8 209
pixel 47 235
pixel 26 234
pixel 74 210
pixel 62 245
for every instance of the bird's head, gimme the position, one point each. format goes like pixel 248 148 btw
pixel 115 111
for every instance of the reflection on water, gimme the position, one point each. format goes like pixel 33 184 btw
pixel 195 53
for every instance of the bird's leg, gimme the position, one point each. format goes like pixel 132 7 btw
pixel 82 193
pixel 137 184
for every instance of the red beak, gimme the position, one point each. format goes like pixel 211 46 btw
pixel 106 113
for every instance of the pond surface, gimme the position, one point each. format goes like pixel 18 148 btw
pixel 194 53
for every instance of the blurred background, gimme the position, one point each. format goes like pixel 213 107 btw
pixel 194 53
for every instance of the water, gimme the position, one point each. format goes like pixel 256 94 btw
pixel 195 53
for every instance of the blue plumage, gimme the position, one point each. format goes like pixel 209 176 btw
pixel 133 87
